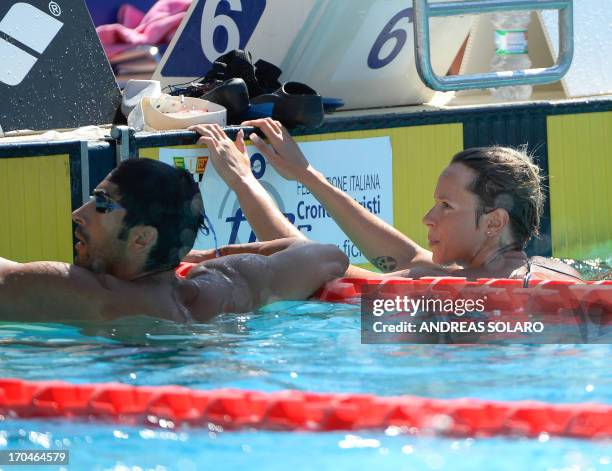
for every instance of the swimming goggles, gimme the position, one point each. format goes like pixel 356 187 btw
pixel 104 203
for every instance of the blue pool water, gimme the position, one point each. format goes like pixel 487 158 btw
pixel 305 346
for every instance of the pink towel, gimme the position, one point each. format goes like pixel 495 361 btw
pixel 129 16
pixel 135 28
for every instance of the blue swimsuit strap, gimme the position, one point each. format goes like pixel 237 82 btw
pixel 527 275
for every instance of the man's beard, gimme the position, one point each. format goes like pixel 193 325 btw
pixel 80 261
pixel 84 259
pixel 81 256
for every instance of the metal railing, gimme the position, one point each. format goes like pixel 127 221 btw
pixel 423 11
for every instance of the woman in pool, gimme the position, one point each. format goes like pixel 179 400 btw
pixel 487 205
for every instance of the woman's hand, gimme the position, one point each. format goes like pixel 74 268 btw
pixel 229 158
pixel 283 152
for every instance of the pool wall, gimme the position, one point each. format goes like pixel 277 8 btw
pixel 571 141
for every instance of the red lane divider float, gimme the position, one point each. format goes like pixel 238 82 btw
pixel 549 296
pixel 172 406
pixel 502 293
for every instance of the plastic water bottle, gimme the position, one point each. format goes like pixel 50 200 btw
pixel 511 51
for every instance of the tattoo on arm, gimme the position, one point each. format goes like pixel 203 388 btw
pixel 385 263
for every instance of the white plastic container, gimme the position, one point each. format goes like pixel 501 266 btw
pixel 167 112
pixel 511 51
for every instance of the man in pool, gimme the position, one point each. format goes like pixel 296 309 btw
pixel 487 205
pixel 142 219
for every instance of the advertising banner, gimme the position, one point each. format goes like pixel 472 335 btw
pixel 360 167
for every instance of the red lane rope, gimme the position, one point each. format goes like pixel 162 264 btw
pixel 549 295
pixel 502 293
pixel 172 406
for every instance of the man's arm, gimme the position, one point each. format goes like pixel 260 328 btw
pixel 55 291
pixel 260 248
pixel 386 247
pixel 232 162
pixel 48 291
pixel 242 283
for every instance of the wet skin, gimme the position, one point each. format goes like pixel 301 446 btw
pixel 108 280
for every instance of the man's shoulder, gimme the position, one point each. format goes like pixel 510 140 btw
pixel 209 289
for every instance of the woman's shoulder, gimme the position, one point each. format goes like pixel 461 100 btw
pixel 543 268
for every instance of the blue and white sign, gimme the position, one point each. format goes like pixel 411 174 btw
pixel 360 167
pixel 364 53
pixel 213 27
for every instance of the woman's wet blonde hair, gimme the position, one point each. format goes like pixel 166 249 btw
pixel 509 179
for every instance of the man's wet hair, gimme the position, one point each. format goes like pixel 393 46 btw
pixel 167 198
pixel 509 179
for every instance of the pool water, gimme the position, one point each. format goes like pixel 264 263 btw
pixel 108 447
pixel 305 346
